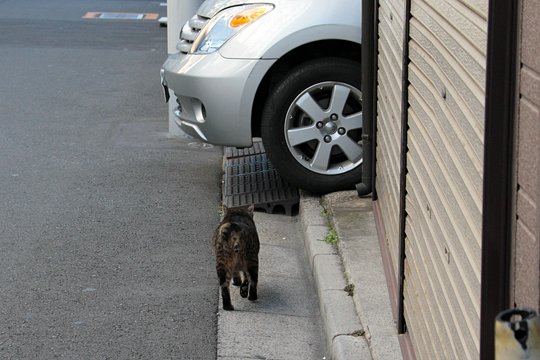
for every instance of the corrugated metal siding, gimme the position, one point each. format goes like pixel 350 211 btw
pixel 527 268
pixel 389 120
pixel 447 54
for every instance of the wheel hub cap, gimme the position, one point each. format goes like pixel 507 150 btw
pixel 330 128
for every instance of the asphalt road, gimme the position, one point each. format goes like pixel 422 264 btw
pixel 105 221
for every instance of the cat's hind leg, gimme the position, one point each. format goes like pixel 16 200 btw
pixel 224 281
pixel 237 279
pixel 244 285
pixel 253 275
pixel 226 296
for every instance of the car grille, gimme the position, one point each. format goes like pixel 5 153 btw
pixel 189 33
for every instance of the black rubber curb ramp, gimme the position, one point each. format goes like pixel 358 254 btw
pixel 250 178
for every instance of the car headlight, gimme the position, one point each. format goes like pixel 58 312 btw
pixel 225 24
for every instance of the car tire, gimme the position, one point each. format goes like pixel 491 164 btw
pixel 311 125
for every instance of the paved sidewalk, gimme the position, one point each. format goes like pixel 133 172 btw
pixel 284 323
pixel 316 300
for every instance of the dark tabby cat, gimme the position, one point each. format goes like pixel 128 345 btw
pixel 236 246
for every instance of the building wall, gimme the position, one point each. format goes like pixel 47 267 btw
pixel 446 92
pixel 447 57
pixel 390 48
pixel 447 73
pixel 527 225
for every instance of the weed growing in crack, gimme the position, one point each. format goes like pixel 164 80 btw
pixel 358 333
pixel 331 237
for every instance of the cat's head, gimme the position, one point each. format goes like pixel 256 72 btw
pixel 245 210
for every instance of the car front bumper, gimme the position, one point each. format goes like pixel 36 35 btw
pixel 214 95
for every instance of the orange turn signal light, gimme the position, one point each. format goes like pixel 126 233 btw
pixel 247 16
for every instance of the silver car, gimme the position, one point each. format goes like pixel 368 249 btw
pixel 287 71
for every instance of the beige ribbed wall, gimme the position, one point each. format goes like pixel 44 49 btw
pixel 444 180
pixel 447 73
pixel 527 226
pixel 391 19
pixel 447 52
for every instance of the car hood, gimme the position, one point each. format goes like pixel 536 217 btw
pixel 209 8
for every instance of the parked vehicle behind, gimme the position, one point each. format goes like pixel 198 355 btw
pixel 287 71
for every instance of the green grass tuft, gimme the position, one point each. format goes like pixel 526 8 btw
pixel 331 237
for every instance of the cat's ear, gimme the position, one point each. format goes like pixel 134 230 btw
pixel 251 209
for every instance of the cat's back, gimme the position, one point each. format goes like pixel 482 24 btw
pixel 239 220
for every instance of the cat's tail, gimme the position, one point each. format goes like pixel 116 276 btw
pixel 225 230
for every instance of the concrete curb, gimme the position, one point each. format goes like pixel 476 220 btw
pixel 342 326
pixel 359 326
